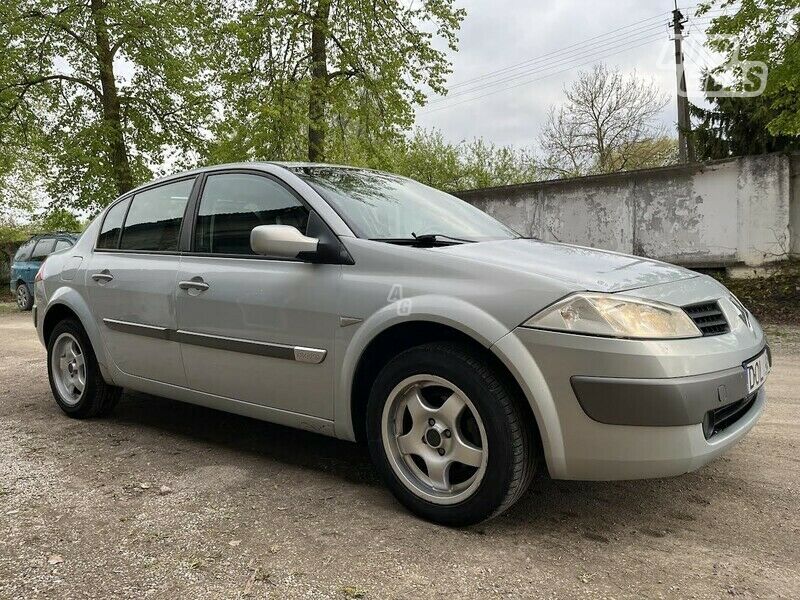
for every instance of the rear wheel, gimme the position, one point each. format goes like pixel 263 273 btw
pixel 448 435
pixel 75 379
pixel 24 297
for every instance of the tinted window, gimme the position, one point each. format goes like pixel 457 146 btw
pixel 232 205
pixel 62 244
pixel 154 219
pixel 24 250
pixel 109 233
pixel 43 247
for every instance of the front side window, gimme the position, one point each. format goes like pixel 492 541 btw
pixel 154 218
pixel 43 247
pixel 388 207
pixel 112 225
pixel 233 204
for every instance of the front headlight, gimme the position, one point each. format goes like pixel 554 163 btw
pixel 612 315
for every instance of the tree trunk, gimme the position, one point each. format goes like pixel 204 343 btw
pixel 117 150
pixel 318 92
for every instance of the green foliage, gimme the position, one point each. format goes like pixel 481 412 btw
pixel 766 31
pixel 736 126
pixel 59 219
pixel 108 90
pixel 427 157
pixel 377 58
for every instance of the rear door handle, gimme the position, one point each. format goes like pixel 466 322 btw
pixel 103 276
pixel 195 283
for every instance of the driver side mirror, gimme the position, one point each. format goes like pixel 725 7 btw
pixel 282 241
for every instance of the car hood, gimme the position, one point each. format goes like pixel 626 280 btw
pixel 583 269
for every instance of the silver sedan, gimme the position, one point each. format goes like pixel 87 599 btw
pixel 370 307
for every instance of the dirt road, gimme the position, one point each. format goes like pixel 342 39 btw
pixel 168 500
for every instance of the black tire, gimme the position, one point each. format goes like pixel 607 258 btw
pixel 98 397
pixel 24 297
pixel 511 457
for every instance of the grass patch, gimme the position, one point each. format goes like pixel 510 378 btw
pixel 773 299
pixel 6 308
pixel 5 294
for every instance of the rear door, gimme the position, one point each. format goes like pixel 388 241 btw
pixel 132 279
pixel 253 328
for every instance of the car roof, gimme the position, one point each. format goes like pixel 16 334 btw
pixel 70 234
pixel 289 165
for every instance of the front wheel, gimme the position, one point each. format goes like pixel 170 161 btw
pixel 75 379
pixel 24 297
pixel 448 436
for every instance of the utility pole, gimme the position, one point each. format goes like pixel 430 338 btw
pixel 685 148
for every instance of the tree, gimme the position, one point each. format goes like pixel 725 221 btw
pixel 107 89
pixel 608 123
pixel 307 78
pixel 767 31
pixel 736 126
pixel 59 219
pixel 427 157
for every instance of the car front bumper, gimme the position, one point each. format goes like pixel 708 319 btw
pixel 628 409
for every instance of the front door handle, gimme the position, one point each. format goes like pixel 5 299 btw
pixel 196 283
pixel 103 276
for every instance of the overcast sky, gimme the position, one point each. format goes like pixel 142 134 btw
pixel 498 34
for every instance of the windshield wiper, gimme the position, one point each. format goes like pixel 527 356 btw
pixel 425 239
pixel 439 237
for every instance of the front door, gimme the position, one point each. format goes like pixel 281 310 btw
pixel 132 282
pixel 252 328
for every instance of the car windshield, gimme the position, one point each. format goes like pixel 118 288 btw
pixel 387 207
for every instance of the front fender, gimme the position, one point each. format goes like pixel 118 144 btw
pixel 452 312
pixel 73 300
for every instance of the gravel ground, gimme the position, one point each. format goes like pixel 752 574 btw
pixel 168 500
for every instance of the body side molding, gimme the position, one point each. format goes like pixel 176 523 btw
pixel 272 350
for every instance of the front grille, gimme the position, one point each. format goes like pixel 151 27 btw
pixel 720 419
pixel 708 317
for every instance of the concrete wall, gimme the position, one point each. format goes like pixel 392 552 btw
pixel 721 213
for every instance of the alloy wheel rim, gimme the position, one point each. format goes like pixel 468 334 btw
pixel 22 296
pixel 434 439
pixel 68 365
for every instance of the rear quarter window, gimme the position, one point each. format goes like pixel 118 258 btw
pixel 43 247
pixel 112 225
pixel 62 245
pixel 24 251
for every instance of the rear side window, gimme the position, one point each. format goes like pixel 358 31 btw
pixel 62 245
pixel 233 204
pixel 112 225
pixel 43 247
pixel 24 250
pixel 154 218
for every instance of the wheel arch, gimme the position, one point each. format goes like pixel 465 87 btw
pixel 414 331
pixel 67 303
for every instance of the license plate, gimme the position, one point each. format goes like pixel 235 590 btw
pixel 756 372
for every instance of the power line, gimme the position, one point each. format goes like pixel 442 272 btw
pixel 528 82
pixel 615 33
pixel 613 48
pixel 557 51
pixel 553 64
pixel 556 60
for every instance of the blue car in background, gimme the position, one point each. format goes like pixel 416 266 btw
pixel 29 258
